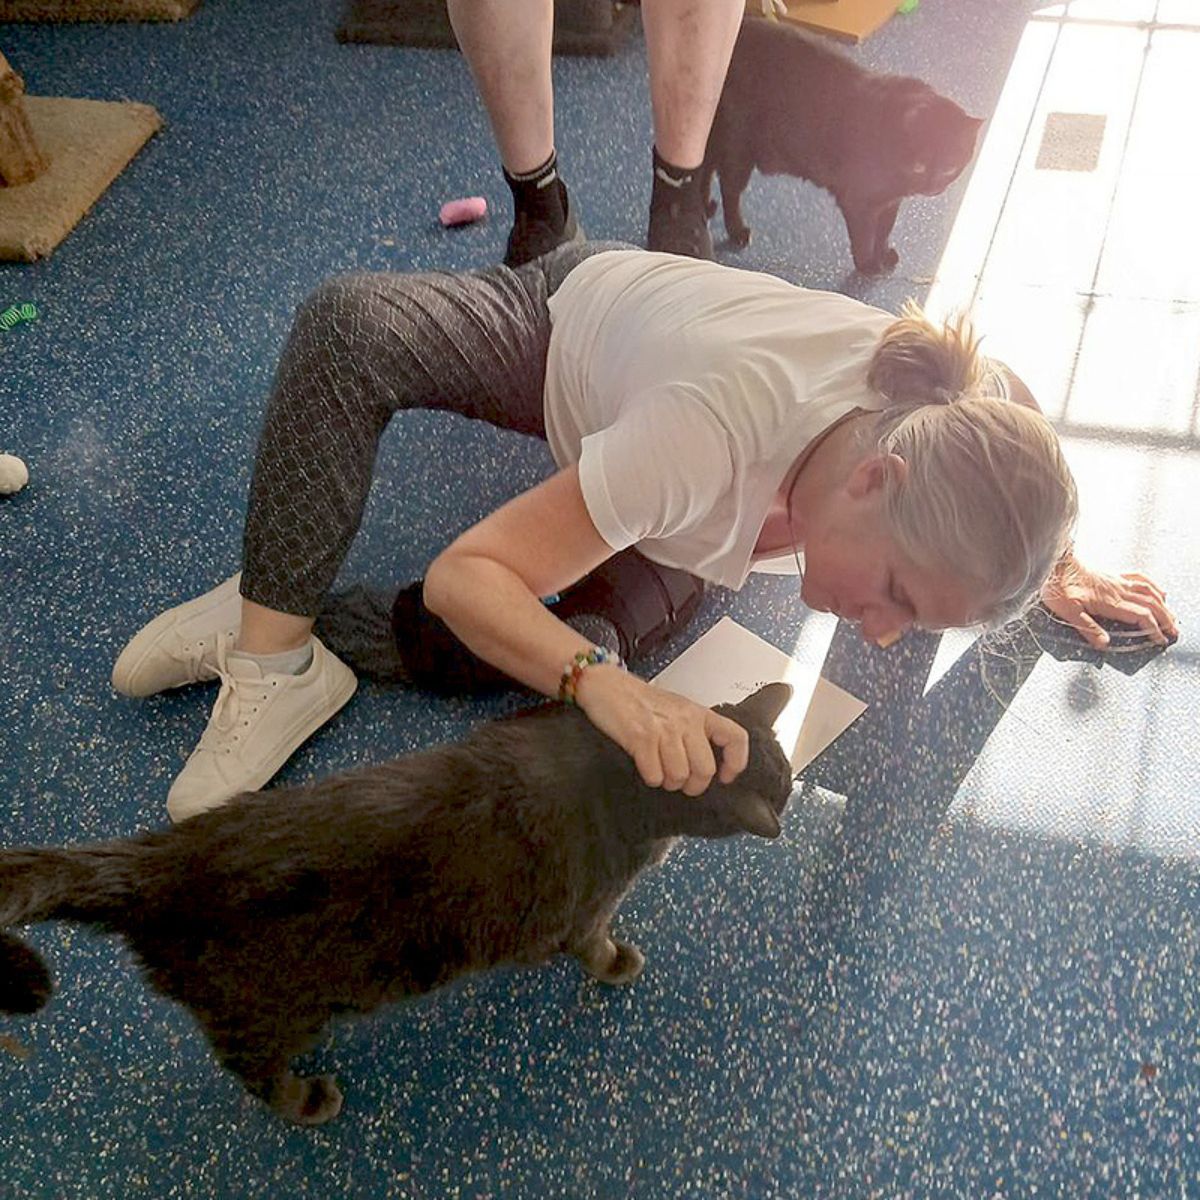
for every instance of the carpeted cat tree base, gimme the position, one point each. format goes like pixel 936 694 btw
pixel 96 10
pixel 591 27
pixel 87 144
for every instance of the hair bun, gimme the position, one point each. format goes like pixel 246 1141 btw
pixel 917 362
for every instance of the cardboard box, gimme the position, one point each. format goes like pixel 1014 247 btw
pixel 849 20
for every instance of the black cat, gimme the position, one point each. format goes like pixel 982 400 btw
pixel 270 915
pixel 792 106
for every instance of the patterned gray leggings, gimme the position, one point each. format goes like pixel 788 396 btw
pixel 366 346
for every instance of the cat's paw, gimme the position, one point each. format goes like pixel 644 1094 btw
pixel 885 264
pixel 311 1101
pixel 739 237
pixel 626 965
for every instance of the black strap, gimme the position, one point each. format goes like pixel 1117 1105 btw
pixel 647 604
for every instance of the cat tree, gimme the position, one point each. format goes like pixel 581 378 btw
pixel 95 10
pixel 20 160
pixel 57 158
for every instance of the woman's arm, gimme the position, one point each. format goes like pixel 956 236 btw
pixel 486 587
pixel 1077 595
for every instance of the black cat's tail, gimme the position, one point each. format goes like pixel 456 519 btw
pixel 87 885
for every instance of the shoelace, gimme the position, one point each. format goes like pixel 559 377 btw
pixel 191 655
pixel 238 701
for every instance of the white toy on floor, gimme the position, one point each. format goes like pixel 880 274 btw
pixel 14 474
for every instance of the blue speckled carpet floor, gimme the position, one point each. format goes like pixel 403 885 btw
pixel 1012 1013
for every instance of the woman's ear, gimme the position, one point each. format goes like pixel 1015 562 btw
pixel 870 474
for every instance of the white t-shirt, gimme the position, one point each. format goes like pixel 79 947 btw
pixel 685 390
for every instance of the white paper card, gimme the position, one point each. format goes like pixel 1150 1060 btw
pixel 729 662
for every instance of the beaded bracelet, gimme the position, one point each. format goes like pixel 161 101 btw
pixel 569 683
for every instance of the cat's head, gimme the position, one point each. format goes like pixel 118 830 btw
pixel 754 801
pixel 939 140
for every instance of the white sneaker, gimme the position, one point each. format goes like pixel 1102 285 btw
pixel 257 722
pixel 180 645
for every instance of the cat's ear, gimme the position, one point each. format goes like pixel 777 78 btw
pixel 765 705
pixel 753 813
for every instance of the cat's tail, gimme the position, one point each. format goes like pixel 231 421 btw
pixel 89 885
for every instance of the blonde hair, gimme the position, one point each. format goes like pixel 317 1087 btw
pixel 987 495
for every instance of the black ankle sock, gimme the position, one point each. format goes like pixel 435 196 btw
pixel 670 178
pixel 678 210
pixel 539 193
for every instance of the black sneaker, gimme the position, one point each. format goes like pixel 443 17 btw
pixel 532 236
pixel 678 225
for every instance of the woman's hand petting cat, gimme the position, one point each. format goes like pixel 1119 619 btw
pixel 669 737
pixel 1078 595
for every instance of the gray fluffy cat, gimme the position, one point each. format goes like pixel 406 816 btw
pixel 268 916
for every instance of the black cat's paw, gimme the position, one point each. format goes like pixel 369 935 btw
pixel 884 264
pixel 627 964
pixel 311 1101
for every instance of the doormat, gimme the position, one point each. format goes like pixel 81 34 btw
pixel 591 27
pixel 87 143
pixel 96 10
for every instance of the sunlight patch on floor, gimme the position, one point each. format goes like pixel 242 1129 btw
pixel 1077 250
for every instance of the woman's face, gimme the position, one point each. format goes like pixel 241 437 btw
pixel 854 569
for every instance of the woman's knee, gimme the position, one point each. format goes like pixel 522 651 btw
pixel 398 326
pixel 342 352
pixel 343 306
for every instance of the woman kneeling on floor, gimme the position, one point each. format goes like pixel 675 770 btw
pixel 703 419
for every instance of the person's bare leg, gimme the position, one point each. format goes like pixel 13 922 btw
pixel 507 46
pixel 265 631
pixel 688 43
